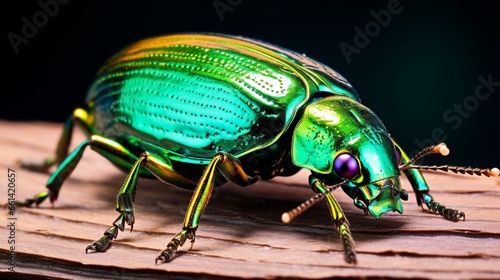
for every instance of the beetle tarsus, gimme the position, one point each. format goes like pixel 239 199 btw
pixel 100 245
pixel 447 213
pixel 350 257
pixel 347 243
pixel 439 209
pixel 168 254
pixel 103 243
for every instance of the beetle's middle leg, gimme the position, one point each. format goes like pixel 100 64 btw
pixel 124 205
pixel 232 170
pixel 159 167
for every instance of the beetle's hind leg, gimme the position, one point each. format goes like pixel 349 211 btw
pixel 106 147
pixel 57 178
pixel 67 162
pixel 81 119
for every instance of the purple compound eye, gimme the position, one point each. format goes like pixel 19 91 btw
pixel 346 166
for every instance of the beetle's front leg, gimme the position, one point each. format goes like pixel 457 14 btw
pixel 421 189
pixel 338 217
pixel 437 208
pixel 232 170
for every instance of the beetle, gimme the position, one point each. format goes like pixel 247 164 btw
pixel 199 110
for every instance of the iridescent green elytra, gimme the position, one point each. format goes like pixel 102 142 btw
pixel 199 110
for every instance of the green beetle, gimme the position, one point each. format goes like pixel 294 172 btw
pixel 225 108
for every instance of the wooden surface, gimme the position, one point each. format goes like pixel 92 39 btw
pixel 240 234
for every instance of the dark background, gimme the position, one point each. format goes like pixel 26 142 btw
pixel 425 60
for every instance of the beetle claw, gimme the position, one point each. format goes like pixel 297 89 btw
pixel 165 256
pixel 126 208
pixel 100 245
pixel 130 219
pixel 350 257
pixel 103 243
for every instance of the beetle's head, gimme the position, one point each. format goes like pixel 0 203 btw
pixel 339 139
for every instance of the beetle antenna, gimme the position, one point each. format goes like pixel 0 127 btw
pixel 290 215
pixel 459 169
pixel 442 149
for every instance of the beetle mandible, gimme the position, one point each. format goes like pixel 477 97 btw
pixel 187 108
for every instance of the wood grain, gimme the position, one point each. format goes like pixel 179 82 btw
pixel 240 234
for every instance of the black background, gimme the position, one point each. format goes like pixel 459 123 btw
pixel 412 71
